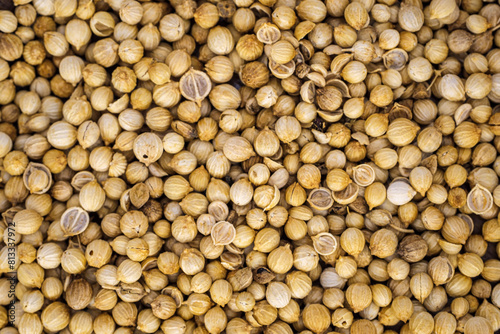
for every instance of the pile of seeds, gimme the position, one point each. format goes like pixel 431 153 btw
pixel 245 167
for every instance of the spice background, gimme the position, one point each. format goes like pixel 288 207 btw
pixel 249 166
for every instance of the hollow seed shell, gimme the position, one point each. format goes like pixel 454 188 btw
pixel 195 85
